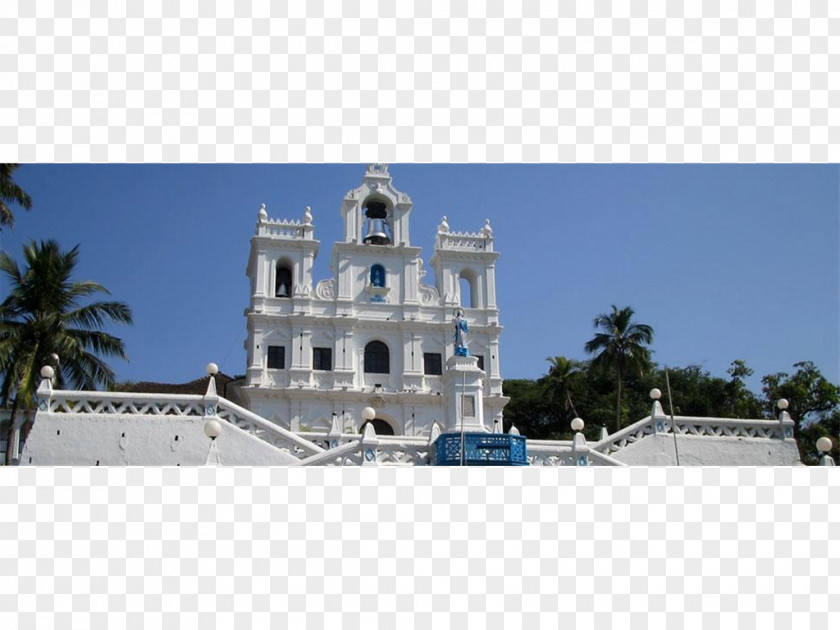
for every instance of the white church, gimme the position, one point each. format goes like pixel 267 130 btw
pixel 377 333
pixel 378 364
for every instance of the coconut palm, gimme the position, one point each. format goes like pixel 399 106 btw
pixel 42 321
pixel 620 346
pixel 560 380
pixel 11 193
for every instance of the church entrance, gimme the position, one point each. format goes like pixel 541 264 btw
pixel 380 426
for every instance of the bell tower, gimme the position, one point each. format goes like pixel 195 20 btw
pixel 376 213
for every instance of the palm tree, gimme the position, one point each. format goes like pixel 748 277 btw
pixel 559 380
pixel 11 193
pixel 42 322
pixel 620 347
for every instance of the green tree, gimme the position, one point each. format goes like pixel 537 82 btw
pixel 43 316
pixel 811 397
pixel 741 402
pixel 562 386
pixel 620 348
pixel 11 193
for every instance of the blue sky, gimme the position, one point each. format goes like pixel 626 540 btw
pixel 724 261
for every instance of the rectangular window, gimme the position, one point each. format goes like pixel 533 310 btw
pixel 480 361
pixel 322 359
pixel 276 357
pixel 468 406
pixel 432 364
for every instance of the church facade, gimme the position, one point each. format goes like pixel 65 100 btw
pixel 379 331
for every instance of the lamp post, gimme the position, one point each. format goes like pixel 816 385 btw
pixel 824 446
pixel 368 414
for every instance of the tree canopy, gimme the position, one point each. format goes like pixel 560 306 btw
pixel 43 321
pixel 11 194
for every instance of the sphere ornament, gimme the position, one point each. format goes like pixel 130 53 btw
pixel 824 445
pixel 47 371
pixel 368 413
pixel 212 369
pixel 212 429
pixel 655 394
pixel 54 360
pixel 782 404
pixel 577 424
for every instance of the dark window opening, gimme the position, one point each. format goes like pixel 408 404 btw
pixel 283 283
pixel 276 357
pixel 377 358
pixel 380 426
pixel 432 363
pixel 322 359
pixel 480 362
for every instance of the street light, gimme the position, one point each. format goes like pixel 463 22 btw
pixel 824 446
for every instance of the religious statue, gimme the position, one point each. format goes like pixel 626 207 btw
pixel 461 330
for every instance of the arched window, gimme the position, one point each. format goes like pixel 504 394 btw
pixel 467 289
pixel 283 281
pixel 377 358
pixel 380 426
pixel 377 276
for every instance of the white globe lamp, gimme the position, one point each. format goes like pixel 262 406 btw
pixel 655 394
pixel 824 445
pixel 212 369
pixel 577 424
pixel 368 414
pixel 212 429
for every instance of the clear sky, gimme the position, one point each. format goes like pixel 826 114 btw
pixel 724 261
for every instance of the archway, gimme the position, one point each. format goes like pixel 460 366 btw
pixel 381 427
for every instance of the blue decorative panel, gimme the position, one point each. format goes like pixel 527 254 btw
pixel 480 449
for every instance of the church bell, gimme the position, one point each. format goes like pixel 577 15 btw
pixel 377 222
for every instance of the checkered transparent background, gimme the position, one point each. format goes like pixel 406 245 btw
pixel 424 81
pixel 421 548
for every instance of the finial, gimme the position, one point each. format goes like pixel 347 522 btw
pixel 377 169
pixel 513 430
pixel 444 226
pixel 307 216
pixel 263 214
pixel 487 230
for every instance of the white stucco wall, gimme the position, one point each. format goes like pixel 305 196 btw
pixel 658 450
pixel 139 440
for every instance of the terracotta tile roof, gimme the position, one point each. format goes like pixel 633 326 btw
pixel 198 386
